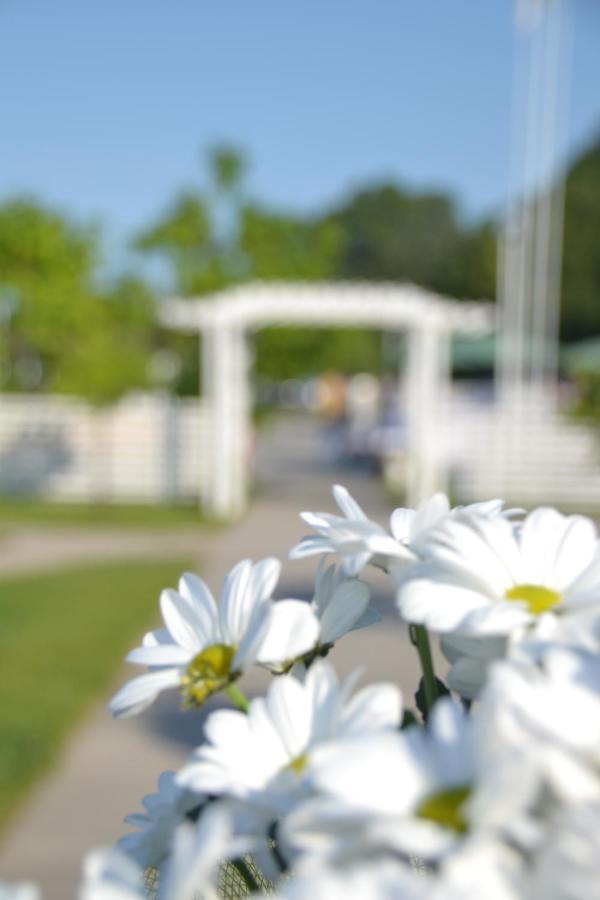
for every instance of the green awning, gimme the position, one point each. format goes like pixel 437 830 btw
pixel 583 357
pixel 473 354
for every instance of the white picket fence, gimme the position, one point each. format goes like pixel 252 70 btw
pixel 147 448
pixel 532 459
pixel 151 448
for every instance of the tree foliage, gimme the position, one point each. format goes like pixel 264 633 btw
pixel 580 316
pixel 61 333
pixel 394 235
pixel 279 247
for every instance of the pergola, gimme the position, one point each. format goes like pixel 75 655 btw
pixel 225 321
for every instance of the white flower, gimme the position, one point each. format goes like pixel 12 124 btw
pixel 356 538
pixel 359 540
pixel 341 604
pixel 481 872
pixel 204 647
pixel 198 851
pixel 419 792
pixel 110 875
pixel 580 630
pixel 568 865
pixel 413 527
pixel 377 881
pixel 151 844
pixel 470 659
pixel 483 576
pixel 190 872
pixel 264 756
pixel 548 714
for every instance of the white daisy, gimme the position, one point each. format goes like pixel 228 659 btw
pixel 110 875
pixel 359 540
pixel 413 527
pixel 420 792
pixel 151 843
pixel 568 865
pixel 205 647
pixel 470 659
pixel 483 576
pixel 340 605
pixel 198 852
pixel 480 871
pixel 191 871
pixel 548 714
pixel 356 538
pixel 263 757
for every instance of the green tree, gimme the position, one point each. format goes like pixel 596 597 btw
pixel 391 234
pixel 580 311
pixel 227 166
pixel 198 233
pixel 183 236
pixel 64 334
pixel 114 357
pixel 279 247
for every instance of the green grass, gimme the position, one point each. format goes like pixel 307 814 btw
pixel 38 512
pixel 62 636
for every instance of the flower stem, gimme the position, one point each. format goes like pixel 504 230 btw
pixel 246 874
pixel 237 697
pixel 420 639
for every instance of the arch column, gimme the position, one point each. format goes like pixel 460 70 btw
pixel 226 395
pixel 427 385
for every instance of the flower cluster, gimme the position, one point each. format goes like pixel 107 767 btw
pixel 488 790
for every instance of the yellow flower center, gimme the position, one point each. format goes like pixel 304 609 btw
pixel 208 672
pixel 445 809
pixel 298 764
pixel 537 599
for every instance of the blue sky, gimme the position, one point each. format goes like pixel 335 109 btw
pixel 105 105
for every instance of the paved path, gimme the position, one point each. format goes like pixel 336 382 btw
pixel 25 548
pixel 107 766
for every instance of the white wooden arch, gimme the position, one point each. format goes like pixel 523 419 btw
pixel 225 320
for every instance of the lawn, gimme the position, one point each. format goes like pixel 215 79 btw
pixel 62 635
pixel 39 512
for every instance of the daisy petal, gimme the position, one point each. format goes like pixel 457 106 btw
pixel 236 602
pixel 293 630
pixel 347 503
pixel 309 546
pixel 265 575
pixel 401 522
pixel 430 513
pixel 254 636
pixel 198 593
pixel 375 707
pixel 160 655
pixel 347 604
pixel 291 713
pixel 370 617
pixel 185 627
pixel 438 605
pixel 353 563
pixel 139 693
pixel 557 548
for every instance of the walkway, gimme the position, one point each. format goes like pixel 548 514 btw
pixel 108 766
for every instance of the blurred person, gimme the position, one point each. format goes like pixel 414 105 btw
pixel 331 396
pixel 362 407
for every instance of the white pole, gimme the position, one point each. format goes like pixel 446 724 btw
pixel 217 363
pixel 427 381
